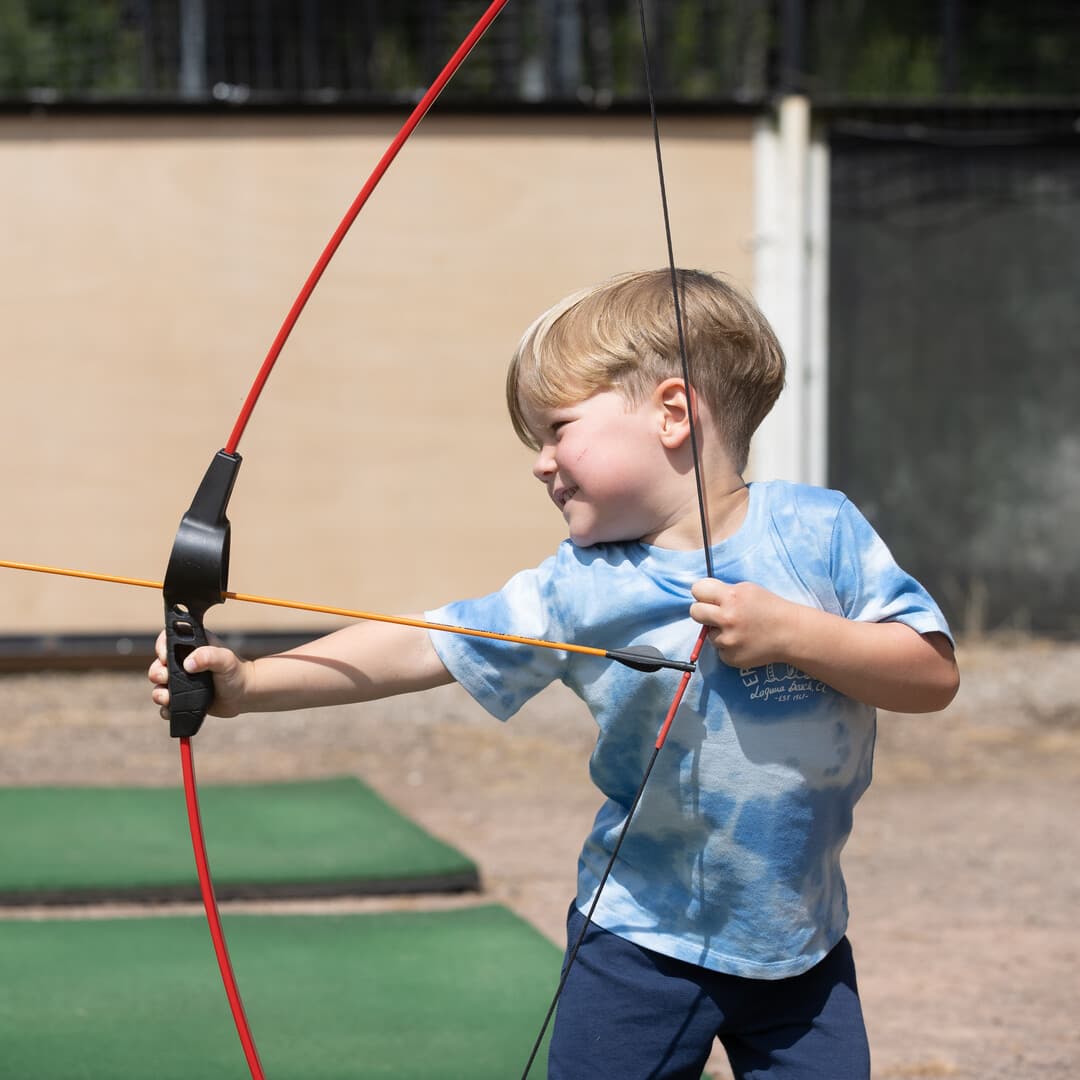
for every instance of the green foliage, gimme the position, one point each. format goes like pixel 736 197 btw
pixel 24 49
pixel 67 46
pixel 1033 55
pixel 394 62
pixel 894 65
pixel 934 50
pixel 702 50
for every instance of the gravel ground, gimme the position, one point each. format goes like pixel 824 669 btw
pixel 963 871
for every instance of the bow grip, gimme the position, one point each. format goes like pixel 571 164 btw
pixel 190 695
pixel 197 579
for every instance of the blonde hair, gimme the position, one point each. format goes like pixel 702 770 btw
pixel 622 335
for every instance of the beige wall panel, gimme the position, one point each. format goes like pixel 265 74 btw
pixel 147 262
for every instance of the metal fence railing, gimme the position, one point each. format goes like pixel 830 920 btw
pixel 944 50
pixel 583 52
pixel 343 51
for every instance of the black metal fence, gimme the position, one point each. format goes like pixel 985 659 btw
pixel 365 51
pixel 939 50
pixel 549 52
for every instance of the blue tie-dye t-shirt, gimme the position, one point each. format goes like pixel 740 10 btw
pixel 733 859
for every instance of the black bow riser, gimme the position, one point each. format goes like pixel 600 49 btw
pixel 196 579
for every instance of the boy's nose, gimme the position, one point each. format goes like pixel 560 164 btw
pixel 544 465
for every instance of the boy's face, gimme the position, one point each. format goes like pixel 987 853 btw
pixel 604 466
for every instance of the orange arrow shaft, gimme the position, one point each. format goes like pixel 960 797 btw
pixel 323 609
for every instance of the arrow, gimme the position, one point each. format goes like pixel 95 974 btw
pixel 640 657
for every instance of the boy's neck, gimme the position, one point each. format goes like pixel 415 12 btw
pixel 726 509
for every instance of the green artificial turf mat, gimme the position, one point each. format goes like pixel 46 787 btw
pixel 436 995
pixel 310 838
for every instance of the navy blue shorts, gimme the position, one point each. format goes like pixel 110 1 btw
pixel 627 1013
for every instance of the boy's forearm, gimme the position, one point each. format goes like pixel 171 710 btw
pixel 888 664
pixel 362 662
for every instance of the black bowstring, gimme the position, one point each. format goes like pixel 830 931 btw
pixel 700 489
pixel 680 327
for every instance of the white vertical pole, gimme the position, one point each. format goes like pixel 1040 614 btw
pixel 790 270
pixel 817 312
pixel 769 455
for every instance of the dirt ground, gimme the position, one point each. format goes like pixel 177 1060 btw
pixel 963 871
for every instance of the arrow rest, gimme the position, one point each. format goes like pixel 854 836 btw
pixel 196 579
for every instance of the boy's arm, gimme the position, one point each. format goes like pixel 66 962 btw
pixel 362 662
pixel 884 664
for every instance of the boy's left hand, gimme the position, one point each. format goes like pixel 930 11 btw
pixel 887 665
pixel 750 625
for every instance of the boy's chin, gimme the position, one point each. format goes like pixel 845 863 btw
pixel 589 529
pixel 582 538
pixel 590 538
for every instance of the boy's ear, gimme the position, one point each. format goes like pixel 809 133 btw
pixel 670 399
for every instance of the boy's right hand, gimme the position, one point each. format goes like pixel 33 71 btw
pixel 230 674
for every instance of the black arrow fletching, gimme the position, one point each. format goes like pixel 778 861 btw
pixel 647 658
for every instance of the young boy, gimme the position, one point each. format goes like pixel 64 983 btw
pixel 724 914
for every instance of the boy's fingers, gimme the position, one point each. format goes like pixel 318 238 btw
pixel 705 613
pixel 707 590
pixel 201 659
pixel 213 658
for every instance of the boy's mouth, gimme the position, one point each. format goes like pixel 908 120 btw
pixel 563 496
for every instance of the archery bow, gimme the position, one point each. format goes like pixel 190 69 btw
pixel 197 574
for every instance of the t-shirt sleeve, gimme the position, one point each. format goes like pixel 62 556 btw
pixel 869 584
pixel 502 676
